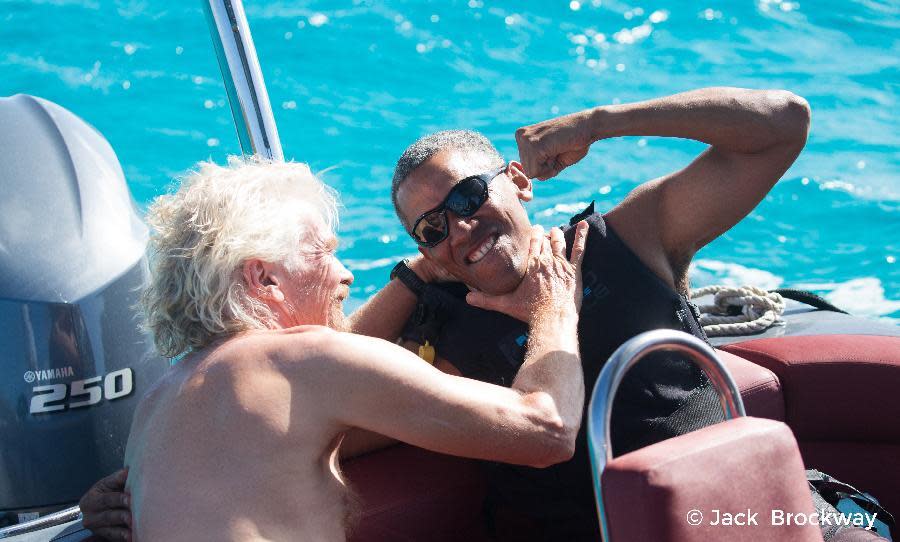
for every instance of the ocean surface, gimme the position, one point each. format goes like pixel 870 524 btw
pixel 353 83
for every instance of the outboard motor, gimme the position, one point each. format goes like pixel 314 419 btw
pixel 73 360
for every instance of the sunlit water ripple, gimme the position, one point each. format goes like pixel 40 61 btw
pixel 353 83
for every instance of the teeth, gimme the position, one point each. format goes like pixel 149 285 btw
pixel 483 249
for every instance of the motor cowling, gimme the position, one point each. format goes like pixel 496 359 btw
pixel 73 359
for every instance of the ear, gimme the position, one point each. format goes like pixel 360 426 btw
pixel 522 182
pixel 263 280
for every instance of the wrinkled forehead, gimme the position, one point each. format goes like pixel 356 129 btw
pixel 427 186
pixel 314 230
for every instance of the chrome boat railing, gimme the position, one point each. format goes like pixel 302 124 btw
pixel 623 359
pixel 243 78
pixel 43 522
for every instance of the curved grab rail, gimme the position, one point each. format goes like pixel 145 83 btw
pixel 243 78
pixel 57 518
pixel 623 359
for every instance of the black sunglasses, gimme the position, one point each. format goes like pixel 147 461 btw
pixel 464 199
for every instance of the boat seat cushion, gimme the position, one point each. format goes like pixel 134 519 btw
pixel 760 388
pixel 410 494
pixel 836 387
pixel 731 466
pixel 842 399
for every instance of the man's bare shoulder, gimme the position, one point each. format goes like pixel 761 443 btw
pixel 306 348
pixel 262 347
pixel 291 352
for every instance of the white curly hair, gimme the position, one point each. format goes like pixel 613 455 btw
pixel 202 234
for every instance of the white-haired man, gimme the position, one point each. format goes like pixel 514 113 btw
pixel 239 439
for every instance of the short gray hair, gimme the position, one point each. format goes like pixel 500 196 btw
pixel 423 149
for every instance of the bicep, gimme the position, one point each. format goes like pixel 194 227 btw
pixel 693 206
pixel 719 189
pixel 383 388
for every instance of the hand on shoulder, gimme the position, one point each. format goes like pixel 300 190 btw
pixel 551 284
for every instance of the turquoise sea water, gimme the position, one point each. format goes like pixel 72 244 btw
pixel 352 83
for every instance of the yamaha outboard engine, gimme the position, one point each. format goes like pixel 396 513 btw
pixel 73 361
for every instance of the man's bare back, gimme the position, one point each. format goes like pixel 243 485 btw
pixel 230 409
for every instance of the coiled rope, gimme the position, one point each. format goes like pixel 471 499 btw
pixel 738 310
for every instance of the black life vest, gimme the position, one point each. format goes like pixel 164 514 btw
pixel 663 396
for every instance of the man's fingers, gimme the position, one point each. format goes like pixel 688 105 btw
pixel 106 519
pixel 578 244
pixel 557 242
pixel 531 167
pixel 485 301
pixel 534 247
pixel 527 156
pixel 547 170
pixel 113 482
pixel 549 174
pixel 537 237
pixel 546 249
pixel 116 499
pixel 571 158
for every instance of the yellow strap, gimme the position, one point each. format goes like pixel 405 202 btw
pixel 426 352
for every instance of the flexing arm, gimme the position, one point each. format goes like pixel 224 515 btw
pixel 754 136
pixel 385 389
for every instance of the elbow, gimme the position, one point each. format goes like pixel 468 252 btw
pixel 561 452
pixel 791 115
pixel 559 449
pixel 557 444
pixel 553 428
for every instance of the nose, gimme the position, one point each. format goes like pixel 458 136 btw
pixel 346 275
pixel 460 227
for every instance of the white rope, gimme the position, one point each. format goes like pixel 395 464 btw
pixel 759 310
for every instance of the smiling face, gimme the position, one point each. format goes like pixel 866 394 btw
pixel 488 250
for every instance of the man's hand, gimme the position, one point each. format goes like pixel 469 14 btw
pixel 105 508
pixel 551 283
pixel 385 313
pixel 551 146
pixel 429 271
pixel 753 137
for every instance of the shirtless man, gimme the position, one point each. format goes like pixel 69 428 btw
pixel 638 257
pixel 239 440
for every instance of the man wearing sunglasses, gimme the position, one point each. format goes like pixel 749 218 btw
pixel 462 204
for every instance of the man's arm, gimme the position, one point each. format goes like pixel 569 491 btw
pixel 385 313
pixel 754 136
pixel 360 442
pixel 385 389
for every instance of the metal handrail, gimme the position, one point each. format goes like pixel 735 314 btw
pixel 623 359
pixel 50 520
pixel 243 78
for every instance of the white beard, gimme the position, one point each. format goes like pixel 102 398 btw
pixel 335 318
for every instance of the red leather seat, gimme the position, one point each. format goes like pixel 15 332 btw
pixel 742 464
pixel 842 399
pixel 760 388
pixel 407 494
pixel 411 494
